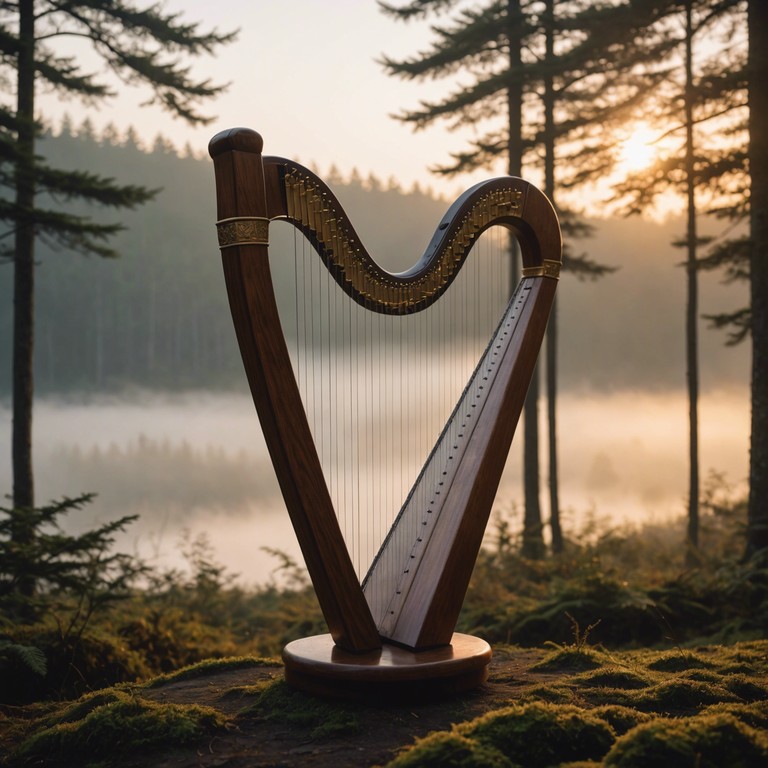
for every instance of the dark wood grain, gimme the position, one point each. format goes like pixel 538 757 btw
pixel 241 192
pixel 248 185
pixel 316 665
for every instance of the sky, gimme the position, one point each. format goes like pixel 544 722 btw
pixel 304 74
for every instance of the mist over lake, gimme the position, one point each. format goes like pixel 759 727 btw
pixel 197 463
pixel 157 320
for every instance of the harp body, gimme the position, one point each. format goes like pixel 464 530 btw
pixel 398 625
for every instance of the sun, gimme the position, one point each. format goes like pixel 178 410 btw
pixel 639 149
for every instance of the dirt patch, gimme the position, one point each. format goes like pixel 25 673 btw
pixel 376 736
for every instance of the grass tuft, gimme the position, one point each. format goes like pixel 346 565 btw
pixel 703 741
pixel 116 724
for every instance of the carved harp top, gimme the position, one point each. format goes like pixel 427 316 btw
pixel 419 605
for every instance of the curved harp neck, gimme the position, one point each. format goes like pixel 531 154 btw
pixel 283 189
pixel 308 203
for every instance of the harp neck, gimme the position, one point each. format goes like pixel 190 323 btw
pixel 283 189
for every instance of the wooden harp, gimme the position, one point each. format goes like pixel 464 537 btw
pixel 396 629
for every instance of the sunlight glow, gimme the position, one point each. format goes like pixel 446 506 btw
pixel 638 150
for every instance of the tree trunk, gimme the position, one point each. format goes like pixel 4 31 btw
pixel 691 329
pixel 533 542
pixel 757 524
pixel 551 348
pixel 24 285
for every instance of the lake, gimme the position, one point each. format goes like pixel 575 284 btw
pixel 197 463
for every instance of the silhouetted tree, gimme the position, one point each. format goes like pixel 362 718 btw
pixel 757 530
pixel 142 46
pixel 699 96
pixel 508 48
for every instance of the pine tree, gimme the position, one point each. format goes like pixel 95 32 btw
pixel 757 525
pixel 508 49
pixel 142 46
pixel 699 99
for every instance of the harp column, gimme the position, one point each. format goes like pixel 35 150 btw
pixel 243 219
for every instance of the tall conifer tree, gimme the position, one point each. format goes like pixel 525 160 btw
pixel 142 46
pixel 757 530
pixel 686 105
pixel 487 42
pixel 518 95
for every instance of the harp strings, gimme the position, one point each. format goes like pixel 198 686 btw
pixel 378 389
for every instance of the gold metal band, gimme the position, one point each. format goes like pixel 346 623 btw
pixel 548 268
pixel 243 230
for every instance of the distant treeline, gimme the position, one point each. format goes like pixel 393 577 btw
pixel 158 318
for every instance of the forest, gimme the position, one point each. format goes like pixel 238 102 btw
pixel 605 641
pixel 157 316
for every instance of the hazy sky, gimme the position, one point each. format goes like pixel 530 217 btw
pixel 304 74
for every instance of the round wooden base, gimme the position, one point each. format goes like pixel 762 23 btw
pixel 316 665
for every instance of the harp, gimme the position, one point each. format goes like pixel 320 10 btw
pixel 396 628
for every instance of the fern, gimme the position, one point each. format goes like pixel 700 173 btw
pixel 29 655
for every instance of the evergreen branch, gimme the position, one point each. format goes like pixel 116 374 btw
pixel 472 104
pixel 96 189
pixel 119 33
pixel 732 256
pixel 473 42
pixel 76 233
pixel 574 225
pixel 118 20
pixel 9 42
pixel 417 9
pixel 62 74
pixel 483 152
pixel 583 267
pixel 738 324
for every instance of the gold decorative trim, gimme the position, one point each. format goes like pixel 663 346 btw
pixel 311 207
pixel 548 268
pixel 243 230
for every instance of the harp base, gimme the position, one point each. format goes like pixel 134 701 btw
pixel 316 665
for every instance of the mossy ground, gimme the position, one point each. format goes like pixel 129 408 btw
pixel 181 676
pixel 635 709
pixel 705 707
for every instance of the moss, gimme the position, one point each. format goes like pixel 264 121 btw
pixel 542 734
pixel 124 725
pixel 747 657
pixel 621 719
pixel 754 714
pixel 701 676
pixel 276 701
pixel 612 677
pixel 209 666
pixel 74 711
pixel 242 691
pixel 744 688
pixel 677 661
pixel 571 659
pixel 75 665
pixel 449 749
pixel 738 669
pixel 582 764
pixel 681 695
pixel 607 696
pixel 554 694
pixel 704 741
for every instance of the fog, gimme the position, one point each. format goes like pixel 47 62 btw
pixel 197 463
